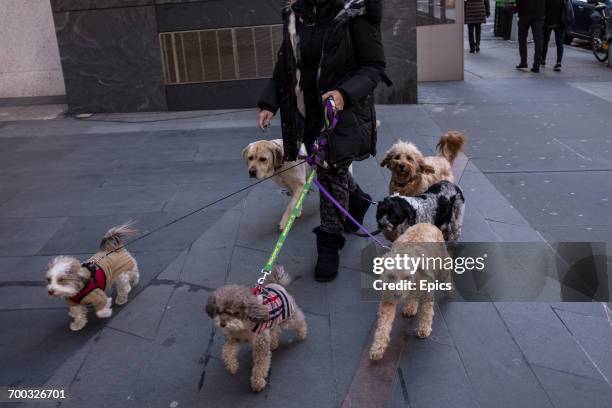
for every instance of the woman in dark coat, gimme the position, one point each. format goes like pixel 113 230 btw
pixel 476 13
pixel 554 22
pixel 331 48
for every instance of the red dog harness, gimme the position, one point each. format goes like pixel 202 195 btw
pixel 97 281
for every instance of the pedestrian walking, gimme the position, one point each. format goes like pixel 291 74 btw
pixel 476 13
pixel 531 15
pixel 554 21
pixel 331 48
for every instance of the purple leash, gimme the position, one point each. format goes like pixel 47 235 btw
pixel 349 216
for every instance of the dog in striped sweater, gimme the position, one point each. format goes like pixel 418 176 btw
pixel 255 315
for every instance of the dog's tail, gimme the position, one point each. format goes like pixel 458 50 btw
pixel 113 239
pixel 279 276
pixel 450 144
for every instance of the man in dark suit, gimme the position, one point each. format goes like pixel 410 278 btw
pixel 531 15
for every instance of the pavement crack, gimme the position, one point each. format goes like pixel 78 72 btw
pixel 205 359
pixel 404 388
pixel 128 333
pixel 588 356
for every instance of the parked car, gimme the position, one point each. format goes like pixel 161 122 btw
pixel 587 20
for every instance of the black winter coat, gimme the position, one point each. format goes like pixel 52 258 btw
pixel 531 8
pixel 554 13
pixel 352 62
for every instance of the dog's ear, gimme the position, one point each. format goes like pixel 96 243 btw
pixel 277 156
pixel 387 159
pixel 255 311
pixel 425 168
pixel 211 305
pixel 245 152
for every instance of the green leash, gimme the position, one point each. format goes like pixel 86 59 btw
pixel 267 269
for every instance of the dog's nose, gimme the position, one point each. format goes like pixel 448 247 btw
pixel 402 166
pixel 50 292
pixel 222 324
pixel 252 173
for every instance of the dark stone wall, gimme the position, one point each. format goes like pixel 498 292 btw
pixel 111 56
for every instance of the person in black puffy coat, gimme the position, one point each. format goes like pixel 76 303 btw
pixel 331 48
pixel 476 13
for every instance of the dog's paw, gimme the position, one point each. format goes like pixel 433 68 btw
pixel 77 325
pixel 376 353
pixel 423 332
pixel 232 367
pixel 258 384
pixel 121 300
pixel 104 313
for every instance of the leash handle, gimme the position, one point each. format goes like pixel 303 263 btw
pixel 330 114
pixel 267 269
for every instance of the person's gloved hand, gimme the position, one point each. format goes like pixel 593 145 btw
pixel 264 119
pixel 338 99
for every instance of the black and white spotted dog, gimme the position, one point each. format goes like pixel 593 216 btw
pixel 441 205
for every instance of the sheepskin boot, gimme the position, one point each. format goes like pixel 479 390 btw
pixel 328 259
pixel 358 207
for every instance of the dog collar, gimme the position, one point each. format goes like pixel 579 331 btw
pixel 97 281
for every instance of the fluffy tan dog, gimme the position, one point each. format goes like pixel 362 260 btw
pixel 420 240
pixel 412 173
pixel 82 284
pixel 265 158
pixel 246 315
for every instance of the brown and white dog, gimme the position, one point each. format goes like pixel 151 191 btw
pixel 412 173
pixel 82 284
pixel 264 158
pixel 256 317
pixel 420 240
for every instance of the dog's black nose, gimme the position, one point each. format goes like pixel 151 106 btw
pixel 402 166
pixel 222 324
pixel 252 173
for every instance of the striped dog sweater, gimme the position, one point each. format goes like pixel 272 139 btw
pixel 276 300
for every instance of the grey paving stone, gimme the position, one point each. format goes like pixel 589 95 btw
pixel 26 236
pixel 142 314
pixel 494 363
pixel 173 271
pixel 38 343
pixel 190 197
pixel 582 233
pixel 544 339
pixel 18 296
pixel 559 199
pixel 593 309
pixel 23 269
pixel 594 334
pixel 434 376
pixel 569 390
pixel 47 202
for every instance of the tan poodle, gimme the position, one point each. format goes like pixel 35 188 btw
pixel 258 317
pixel 412 173
pixel 420 240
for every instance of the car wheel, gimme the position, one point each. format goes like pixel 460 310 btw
pixel 599 46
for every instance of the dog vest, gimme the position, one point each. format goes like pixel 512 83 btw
pixel 97 281
pixel 275 299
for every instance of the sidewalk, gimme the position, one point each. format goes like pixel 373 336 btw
pixel 64 182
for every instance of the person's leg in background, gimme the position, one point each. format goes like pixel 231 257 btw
pixel 523 30
pixel 547 33
pixel 471 29
pixel 478 29
pixel 537 29
pixel 559 34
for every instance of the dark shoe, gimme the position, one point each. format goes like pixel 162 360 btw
pixel 358 207
pixel 557 67
pixel 478 48
pixel 521 66
pixel 543 63
pixel 535 69
pixel 472 51
pixel 328 260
